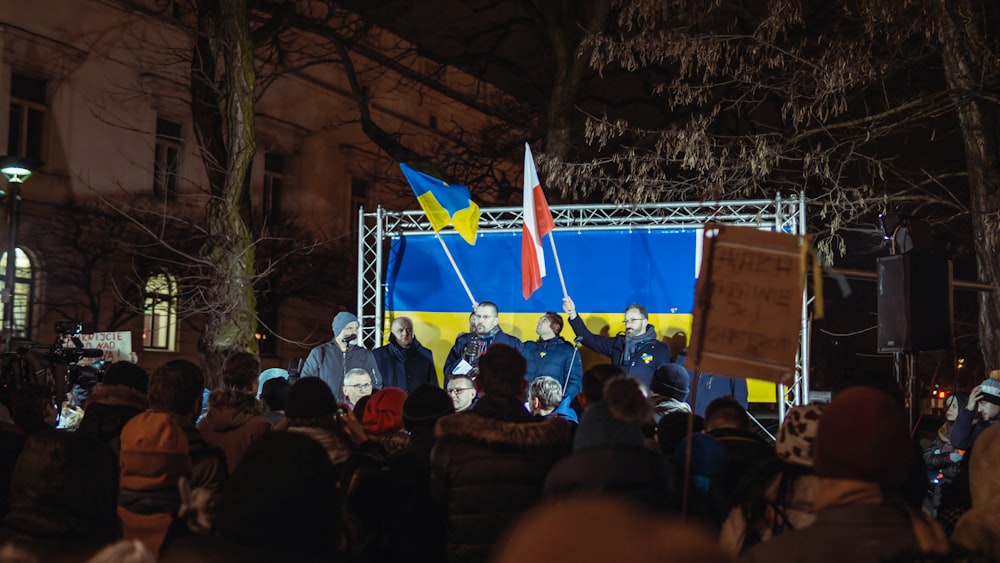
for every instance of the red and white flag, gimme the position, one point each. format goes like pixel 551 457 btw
pixel 537 223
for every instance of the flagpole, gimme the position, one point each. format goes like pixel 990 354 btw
pixel 455 266
pixel 555 255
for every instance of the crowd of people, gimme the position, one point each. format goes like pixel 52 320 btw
pixel 517 455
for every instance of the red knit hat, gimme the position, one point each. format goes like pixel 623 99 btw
pixel 863 435
pixel 384 411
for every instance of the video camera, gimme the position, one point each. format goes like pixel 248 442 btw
pixel 72 330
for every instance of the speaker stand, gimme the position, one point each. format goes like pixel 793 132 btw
pixel 904 366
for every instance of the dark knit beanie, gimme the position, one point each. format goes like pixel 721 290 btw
pixel 310 397
pixel 127 374
pixel 671 380
pixel 863 435
pixel 384 411
pixel 343 319
pixel 425 405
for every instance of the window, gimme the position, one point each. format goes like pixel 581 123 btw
pixel 274 183
pixel 24 289
pixel 159 331
pixel 27 116
pixel 359 199
pixel 165 163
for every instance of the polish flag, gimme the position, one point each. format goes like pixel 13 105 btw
pixel 537 223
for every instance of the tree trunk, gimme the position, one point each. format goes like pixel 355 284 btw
pixel 223 81
pixel 965 59
pixel 567 24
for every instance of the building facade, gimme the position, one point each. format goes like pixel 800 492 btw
pixel 99 91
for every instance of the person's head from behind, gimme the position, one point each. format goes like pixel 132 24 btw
pixel 726 412
pixel 604 529
pixel 127 374
pixel 501 373
pixel 425 405
pixel 549 325
pixel 176 387
pixel 357 384
pixel 544 395
pixel 462 392
pixel 487 317
pixel 673 427
pixel 593 382
pixel 275 393
pixel 863 435
pixel 282 470
pixel 65 487
pixel 32 406
pixel 310 403
pixel 240 372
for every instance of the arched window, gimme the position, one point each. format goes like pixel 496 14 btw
pixel 24 292
pixel 160 323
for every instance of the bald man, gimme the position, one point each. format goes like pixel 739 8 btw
pixel 404 362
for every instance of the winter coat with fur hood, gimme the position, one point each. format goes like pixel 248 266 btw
pixel 487 467
pixel 234 420
pixel 108 410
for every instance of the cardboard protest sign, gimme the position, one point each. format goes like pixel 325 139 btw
pixel 748 304
pixel 117 346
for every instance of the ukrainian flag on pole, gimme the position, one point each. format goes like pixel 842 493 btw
pixel 445 204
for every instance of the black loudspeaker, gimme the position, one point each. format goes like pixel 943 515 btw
pixel 914 303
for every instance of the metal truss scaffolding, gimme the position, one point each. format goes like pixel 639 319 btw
pixel 780 214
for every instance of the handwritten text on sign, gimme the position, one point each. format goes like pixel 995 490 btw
pixel 117 346
pixel 748 304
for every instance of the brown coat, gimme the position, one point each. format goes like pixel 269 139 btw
pixel 234 420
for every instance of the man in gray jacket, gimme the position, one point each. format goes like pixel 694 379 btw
pixel 330 361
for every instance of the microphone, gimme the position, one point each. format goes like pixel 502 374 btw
pixel 577 341
pixel 349 338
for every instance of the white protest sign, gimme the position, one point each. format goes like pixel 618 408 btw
pixel 117 346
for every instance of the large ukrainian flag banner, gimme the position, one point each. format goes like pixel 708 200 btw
pixel 605 271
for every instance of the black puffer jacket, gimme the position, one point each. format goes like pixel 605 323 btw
pixel 488 467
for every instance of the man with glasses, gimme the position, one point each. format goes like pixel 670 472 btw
pixel 637 351
pixel 462 391
pixel 357 384
pixel 464 355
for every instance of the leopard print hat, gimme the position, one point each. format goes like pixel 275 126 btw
pixel 797 436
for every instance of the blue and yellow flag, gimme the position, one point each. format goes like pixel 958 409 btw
pixel 444 204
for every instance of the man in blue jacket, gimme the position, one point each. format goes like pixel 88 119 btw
pixel 638 352
pixel 464 355
pixel 552 356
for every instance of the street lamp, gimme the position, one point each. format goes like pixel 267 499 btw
pixel 16 169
